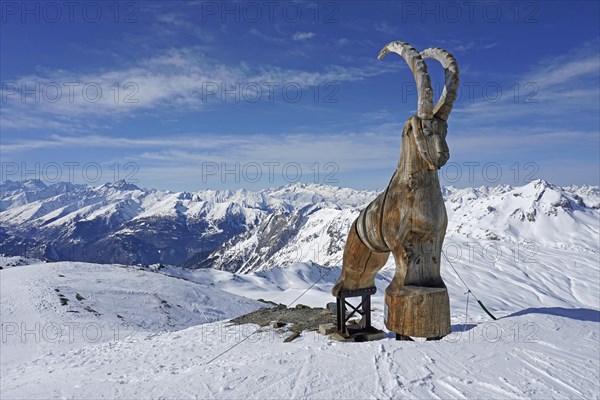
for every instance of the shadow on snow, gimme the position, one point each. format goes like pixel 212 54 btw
pixel 581 314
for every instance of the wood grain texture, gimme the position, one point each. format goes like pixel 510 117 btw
pixel 360 264
pixel 409 218
pixel 418 311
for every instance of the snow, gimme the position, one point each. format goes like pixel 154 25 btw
pixel 545 343
pixel 538 214
pixel 531 254
pixel 306 221
pixel 104 303
pixel 7 261
pixel 518 357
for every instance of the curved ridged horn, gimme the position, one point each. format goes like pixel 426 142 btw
pixel 451 76
pixel 419 70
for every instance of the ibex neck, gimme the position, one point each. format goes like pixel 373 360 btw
pixel 412 168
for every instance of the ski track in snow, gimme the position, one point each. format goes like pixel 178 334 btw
pixel 174 365
pixel 538 353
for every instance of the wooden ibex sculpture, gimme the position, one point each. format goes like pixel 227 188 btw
pixel 409 218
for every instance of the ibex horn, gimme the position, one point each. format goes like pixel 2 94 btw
pixel 419 70
pixel 444 105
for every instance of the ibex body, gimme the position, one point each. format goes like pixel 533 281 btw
pixel 409 218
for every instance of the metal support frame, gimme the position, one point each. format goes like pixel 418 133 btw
pixel 364 308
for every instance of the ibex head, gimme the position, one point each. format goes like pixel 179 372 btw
pixel 429 127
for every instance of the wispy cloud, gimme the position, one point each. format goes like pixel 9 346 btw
pixel 307 147
pixel 346 148
pixel 269 38
pixel 182 78
pixel 386 28
pixel 497 142
pixel 342 42
pixel 170 24
pixel 467 46
pixel 567 68
pixel 559 87
pixel 462 46
pixel 299 36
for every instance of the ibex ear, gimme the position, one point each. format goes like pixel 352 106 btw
pixel 408 127
pixel 410 124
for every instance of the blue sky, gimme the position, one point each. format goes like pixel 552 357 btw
pixel 186 95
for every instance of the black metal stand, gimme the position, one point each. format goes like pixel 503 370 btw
pixel 364 309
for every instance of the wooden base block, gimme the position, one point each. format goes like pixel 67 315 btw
pixel 418 311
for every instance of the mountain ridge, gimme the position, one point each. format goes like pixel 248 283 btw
pixel 247 231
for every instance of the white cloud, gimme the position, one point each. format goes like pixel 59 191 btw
pixel 386 28
pixel 565 85
pixel 178 78
pixel 298 36
pixel 463 47
pixel 342 42
pixel 264 36
pixel 343 148
pixel 564 70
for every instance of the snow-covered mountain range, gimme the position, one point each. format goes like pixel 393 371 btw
pixel 245 231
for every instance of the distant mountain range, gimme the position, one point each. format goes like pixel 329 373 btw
pixel 245 231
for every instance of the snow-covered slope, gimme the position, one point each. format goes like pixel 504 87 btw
pixel 545 343
pixel 538 212
pixel 246 231
pixel 548 278
pixel 56 307
pixel 489 361
pixel 7 261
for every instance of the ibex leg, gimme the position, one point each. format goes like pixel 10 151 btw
pixel 416 300
pixel 424 263
pixel 360 264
